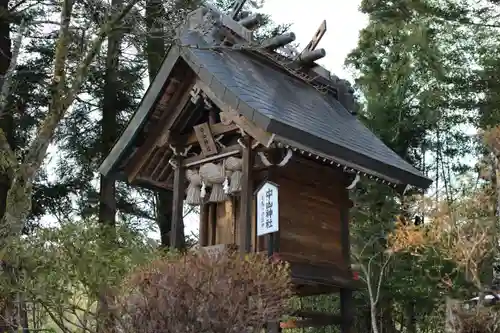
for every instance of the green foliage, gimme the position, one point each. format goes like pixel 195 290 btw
pixel 426 72
pixel 417 78
pixel 63 269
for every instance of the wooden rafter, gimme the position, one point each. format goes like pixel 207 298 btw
pixel 161 164
pixel 225 152
pixel 159 135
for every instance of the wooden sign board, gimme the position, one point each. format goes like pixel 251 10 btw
pixel 215 251
pixel 205 139
pixel 267 209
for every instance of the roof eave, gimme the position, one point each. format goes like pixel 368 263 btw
pixel 347 158
pixel 150 97
pixel 226 96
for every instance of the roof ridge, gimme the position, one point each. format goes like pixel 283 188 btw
pixel 272 58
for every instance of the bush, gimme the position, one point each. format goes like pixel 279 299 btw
pixel 483 320
pixel 195 293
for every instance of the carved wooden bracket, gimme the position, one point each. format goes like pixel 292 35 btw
pixel 231 116
pixel 246 126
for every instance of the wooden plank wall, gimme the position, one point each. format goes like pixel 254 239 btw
pixel 311 196
pixel 310 199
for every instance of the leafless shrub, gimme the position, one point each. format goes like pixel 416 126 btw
pixel 481 320
pixel 202 294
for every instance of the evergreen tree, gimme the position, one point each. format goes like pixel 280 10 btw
pixel 411 82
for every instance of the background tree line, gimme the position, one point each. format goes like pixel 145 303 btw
pixel 73 73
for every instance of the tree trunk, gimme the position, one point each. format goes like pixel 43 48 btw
pixel 107 200
pixel 107 192
pixel 7 126
pixel 155 43
pixel 164 216
pixel 387 322
pixel 367 320
pixel 6 121
pixel 496 183
pixel 410 320
pixel 155 51
pixel 373 316
pixel 451 320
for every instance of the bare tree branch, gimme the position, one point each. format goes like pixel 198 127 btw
pixel 59 103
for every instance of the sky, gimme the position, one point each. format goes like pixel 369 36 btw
pixel 343 23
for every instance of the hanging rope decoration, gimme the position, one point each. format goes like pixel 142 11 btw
pixel 235 165
pixel 193 196
pixel 226 185
pixel 283 162
pixel 213 175
pixel 203 190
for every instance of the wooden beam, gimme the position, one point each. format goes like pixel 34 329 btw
pixel 225 152
pixel 163 185
pixel 245 221
pixel 325 320
pixel 161 132
pixel 328 275
pixel 263 137
pixel 312 314
pixel 177 204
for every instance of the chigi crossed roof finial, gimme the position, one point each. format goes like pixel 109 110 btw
pixel 236 8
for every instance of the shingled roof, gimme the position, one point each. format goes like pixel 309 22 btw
pixel 298 114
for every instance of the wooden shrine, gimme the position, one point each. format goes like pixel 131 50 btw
pixel 265 141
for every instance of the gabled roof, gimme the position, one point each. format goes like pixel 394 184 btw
pixel 298 114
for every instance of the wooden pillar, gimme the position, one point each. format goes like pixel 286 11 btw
pixel 203 234
pixel 177 204
pixel 212 222
pixel 273 327
pixel 273 239
pixel 245 221
pixel 272 245
pixel 346 310
pixel 346 300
